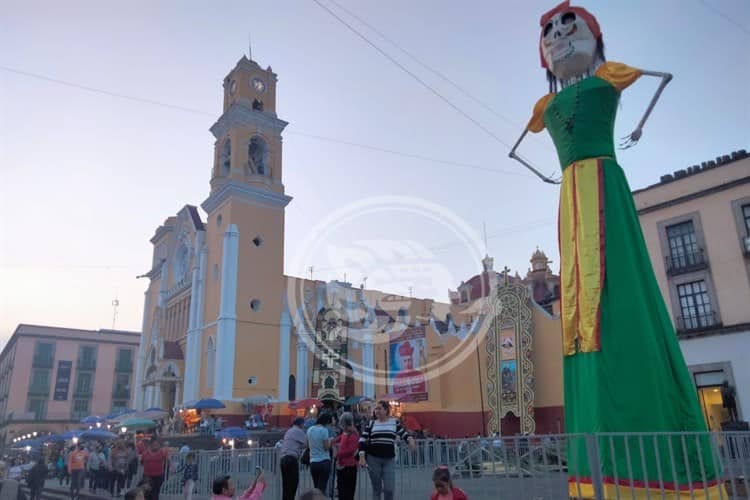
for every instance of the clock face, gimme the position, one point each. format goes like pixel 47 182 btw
pixel 233 87
pixel 258 85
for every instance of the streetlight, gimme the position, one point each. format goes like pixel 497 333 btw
pixel 98 425
pixel 35 433
pixel 75 439
pixel 249 442
pixel 28 449
pixel 123 429
pixel 231 443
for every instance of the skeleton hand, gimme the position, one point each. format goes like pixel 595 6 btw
pixel 631 140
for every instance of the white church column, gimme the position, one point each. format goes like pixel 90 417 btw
pixel 284 348
pixel 368 367
pixel 227 320
pixel 148 397
pixel 302 369
pixel 141 358
pixel 193 347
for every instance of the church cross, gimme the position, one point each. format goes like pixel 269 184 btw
pixel 506 271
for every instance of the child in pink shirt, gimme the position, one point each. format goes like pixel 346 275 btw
pixel 444 489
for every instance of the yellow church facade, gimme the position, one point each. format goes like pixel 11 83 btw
pixel 222 320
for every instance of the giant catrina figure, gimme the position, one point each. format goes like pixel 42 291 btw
pixel 623 368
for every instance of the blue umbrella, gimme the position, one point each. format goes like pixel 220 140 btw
pixel 98 434
pixel 93 420
pixel 120 413
pixel 71 434
pixel 233 433
pixel 33 443
pixel 56 438
pixel 208 404
pixel 355 400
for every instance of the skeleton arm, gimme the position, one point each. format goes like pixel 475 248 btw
pixel 632 139
pixel 526 164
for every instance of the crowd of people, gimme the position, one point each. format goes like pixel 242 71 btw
pixel 332 449
pixel 111 468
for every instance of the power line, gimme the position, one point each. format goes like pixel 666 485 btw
pixel 410 155
pixel 725 17
pixel 104 92
pixel 206 113
pixel 415 77
pixel 427 67
pixel 522 228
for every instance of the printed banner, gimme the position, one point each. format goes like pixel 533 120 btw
pixel 507 344
pixel 408 359
pixel 509 382
pixel 62 382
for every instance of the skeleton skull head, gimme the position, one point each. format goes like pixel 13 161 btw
pixel 568 41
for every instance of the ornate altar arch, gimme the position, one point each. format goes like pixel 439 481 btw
pixel 510 370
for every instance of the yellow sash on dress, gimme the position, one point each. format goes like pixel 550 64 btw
pixel 581 231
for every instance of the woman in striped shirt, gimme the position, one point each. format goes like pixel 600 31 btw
pixel 377 450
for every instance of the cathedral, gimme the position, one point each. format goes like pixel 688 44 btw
pixel 221 319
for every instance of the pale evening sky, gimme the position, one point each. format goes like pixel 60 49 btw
pixel 85 178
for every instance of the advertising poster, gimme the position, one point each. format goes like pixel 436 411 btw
pixel 407 359
pixel 62 382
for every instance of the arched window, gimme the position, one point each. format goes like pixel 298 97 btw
pixel 329 383
pixel 403 315
pixel 292 388
pixel 257 104
pixel 210 362
pixel 224 158
pixel 180 262
pixel 257 156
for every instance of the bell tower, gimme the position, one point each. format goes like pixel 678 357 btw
pixel 248 133
pixel 244 240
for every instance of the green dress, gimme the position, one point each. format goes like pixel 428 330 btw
pixel 623 368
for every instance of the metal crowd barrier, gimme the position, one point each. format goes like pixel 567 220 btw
pixel 596 466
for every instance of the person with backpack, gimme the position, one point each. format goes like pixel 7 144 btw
pixel 319 442
pixel 118 466
pixel 76 468
pixel 62 469
pixel 377 450
pixel 189 476
pixel 132 465
pixel 37 475
pixel 94 465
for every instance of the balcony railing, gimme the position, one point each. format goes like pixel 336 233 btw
pixel 125 366
pixel 685 262
pixel 86 364
pixel 697 323
pixel 39 390
pixel 42 361
pixel 82 392
pixel 121 393
pixel 79 414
